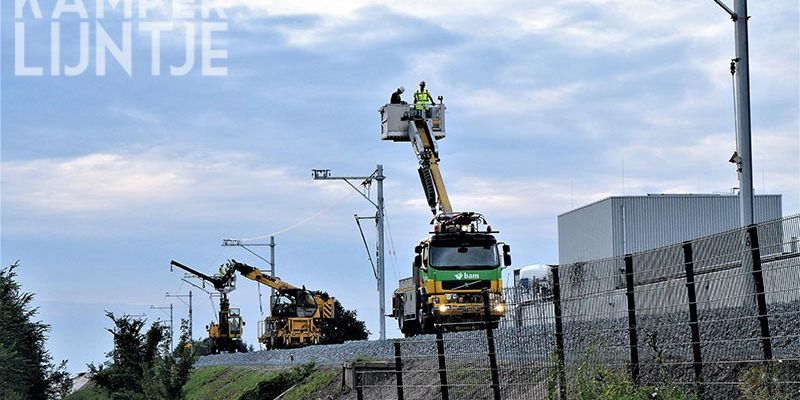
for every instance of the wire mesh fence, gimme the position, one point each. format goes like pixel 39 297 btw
pixel 713 318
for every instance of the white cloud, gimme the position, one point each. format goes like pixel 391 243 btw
pixel 495 102
pixel 95 182
pixel 132 192
pixel 135 114
pixel 612 25
pixel 138 182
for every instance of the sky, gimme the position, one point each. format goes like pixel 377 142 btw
pixel 107 176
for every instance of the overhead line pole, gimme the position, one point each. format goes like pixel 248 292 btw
pixel 270 262
pixel 377 175
pixel 171 324
pixel 180 297
pixel 744 149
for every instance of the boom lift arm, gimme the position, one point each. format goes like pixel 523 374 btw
pixel 220 282
pixel 311 303
pixel 257 275
pixel 430 175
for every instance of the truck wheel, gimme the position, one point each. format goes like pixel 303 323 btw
pixel 427 324
pixel 409 328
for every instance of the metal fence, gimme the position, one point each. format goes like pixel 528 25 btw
pixel 712 318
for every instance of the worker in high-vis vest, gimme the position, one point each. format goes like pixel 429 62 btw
pixel 422 98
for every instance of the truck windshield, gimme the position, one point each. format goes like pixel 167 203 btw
pixel 469 257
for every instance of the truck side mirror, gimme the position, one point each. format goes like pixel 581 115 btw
pixel 418 249
pixel 418 261
pixel 506 248
pixel 507 260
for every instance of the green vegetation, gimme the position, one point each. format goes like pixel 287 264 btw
pixel 278 383
pixel 141 365
pixel 221 382
pixel 247 383
pixel 26 369
pixel 319 381
pixel 344 326
pixel 594 382
pixel 763 382
pixel 89 393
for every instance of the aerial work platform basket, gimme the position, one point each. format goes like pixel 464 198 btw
pixel 397 119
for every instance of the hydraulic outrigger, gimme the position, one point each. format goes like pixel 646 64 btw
pixel 461 258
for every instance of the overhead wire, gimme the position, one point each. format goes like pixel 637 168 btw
pixel 366 246
pixel 392 249
pixel 298 223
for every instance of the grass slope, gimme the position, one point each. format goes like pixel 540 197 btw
pixel 219 382
pixel 231 383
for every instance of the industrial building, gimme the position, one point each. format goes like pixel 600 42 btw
pixel 619 225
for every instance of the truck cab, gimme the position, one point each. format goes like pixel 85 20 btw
pixel 452 268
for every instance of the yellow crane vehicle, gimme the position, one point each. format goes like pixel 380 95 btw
pixel 296 312
pixel 225 335
pixel 461 258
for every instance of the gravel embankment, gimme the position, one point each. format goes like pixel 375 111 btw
pixel 721 334
pixel 333 354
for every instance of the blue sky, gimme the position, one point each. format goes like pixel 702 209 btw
pixel 107 178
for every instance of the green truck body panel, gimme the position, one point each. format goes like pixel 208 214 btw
pixel 463 275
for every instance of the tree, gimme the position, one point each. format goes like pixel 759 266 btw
pixel 141 365
pixel 165 380
pixel 134 353
pixel 344 326
pixel 26 367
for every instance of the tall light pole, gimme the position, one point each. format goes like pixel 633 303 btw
pixel 181 298
pixel 740 67
pixel 377 175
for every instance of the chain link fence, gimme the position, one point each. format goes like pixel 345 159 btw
pixel 712 318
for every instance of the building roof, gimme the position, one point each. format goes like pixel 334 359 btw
pixel 664 195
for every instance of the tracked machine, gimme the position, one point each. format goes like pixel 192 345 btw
pixel 296 311
pixel 461 258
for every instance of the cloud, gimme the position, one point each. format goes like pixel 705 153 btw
pixel 589 24
pixel 138 182
pixel 91 183
pixel 129 193
pixel 135 114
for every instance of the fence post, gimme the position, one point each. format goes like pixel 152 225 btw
pixel 562 389
pixel 398 368
pixel 487 322
pixel 761 299
pixel 357 383
pixel 632 334
pixel 694 325
pixel 442 366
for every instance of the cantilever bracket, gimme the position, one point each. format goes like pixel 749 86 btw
pixel 727 10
